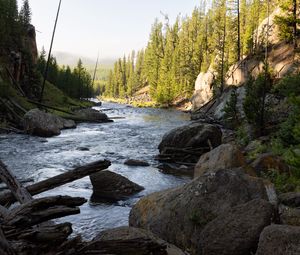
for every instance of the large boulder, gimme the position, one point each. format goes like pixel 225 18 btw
pixel 179 215
pixel 279 240
pixel 131 241
pixel 225 156
pixel 111 187
pixel 39 123
pixel 191 140
pixel 237 231
pixel 268 161
pixel 92 115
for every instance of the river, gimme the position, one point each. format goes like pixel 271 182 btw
pixel 136 136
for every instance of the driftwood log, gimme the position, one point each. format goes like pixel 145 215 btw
pixel 56 181
pixel 25 229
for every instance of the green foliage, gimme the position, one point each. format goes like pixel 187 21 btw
pixel 242 136
pixel 76 83
pixel 230 110
pixel 288 21
pixel 25 14
pixel 255 101
pixel 283 182
pixel 177 53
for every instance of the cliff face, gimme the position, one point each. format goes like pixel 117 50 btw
pixel 281 58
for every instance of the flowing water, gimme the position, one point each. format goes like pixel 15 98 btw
pixel 136 136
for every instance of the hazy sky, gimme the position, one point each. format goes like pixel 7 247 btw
pixel 113 27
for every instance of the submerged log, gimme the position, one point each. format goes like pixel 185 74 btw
pixel 56 181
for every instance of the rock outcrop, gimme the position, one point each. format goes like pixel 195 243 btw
pixel 130 241
pixel 112 187
pixel 188 143
pixel 225 156
pixel 279 240
pixel 203 88
pixel 237 231
pixel 39 123
pixel 179 215
pixel 281 60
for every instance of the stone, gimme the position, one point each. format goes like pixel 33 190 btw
pixel 279 240
pixel 179 215
pixel 289 215
pixel 291 199
pixel 39 123
pixel 112 187
pixel 132 241
pixel 135 162
pixel 237 231
pixel 225 156
pixel 268 161
pixel 92 115
pixel 203 88
pixel 182 141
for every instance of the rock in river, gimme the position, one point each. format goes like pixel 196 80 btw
pixel 179 215
pixel 188 143
pixel 91 115
pixel 135 162
pixel 112 187
pixel 39 123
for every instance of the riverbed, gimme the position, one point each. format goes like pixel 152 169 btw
pixel 136 136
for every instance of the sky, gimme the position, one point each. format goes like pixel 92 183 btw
pixel 112 27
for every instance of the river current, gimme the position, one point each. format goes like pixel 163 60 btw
pixel 136 136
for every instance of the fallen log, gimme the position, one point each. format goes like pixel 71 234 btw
pixel 5 248
pixel 56 234
pixel 50 107
pixel 41 210
pixel 56 181
pixel 17 190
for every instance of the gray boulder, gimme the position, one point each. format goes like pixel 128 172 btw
pixel 225 156
pixel 279 240
pixel 39 123
pixel 112 187
pixel 237 231
pixel 131 241
pixel 179 215
pixel 92 115
pixel 135 162
pixel 191 140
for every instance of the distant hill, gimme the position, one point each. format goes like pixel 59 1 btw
pixel 65 58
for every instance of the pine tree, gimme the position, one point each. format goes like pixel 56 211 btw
pixel 25 13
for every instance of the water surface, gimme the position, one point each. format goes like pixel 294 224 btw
pixel 136 136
